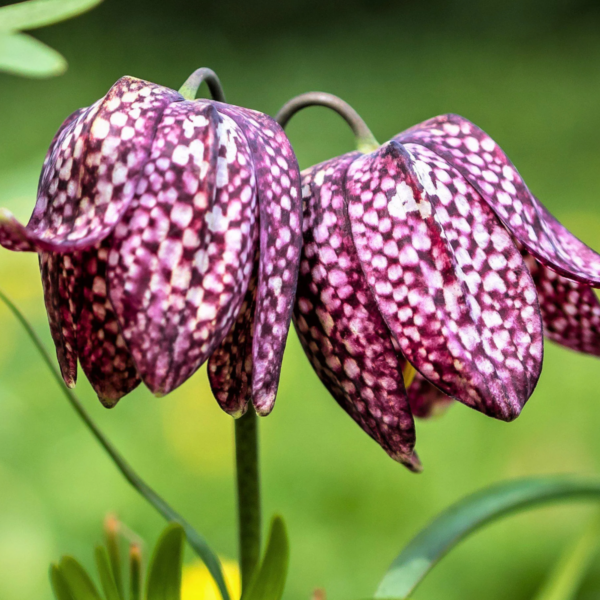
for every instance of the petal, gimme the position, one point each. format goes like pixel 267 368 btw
pixel 425 399
pixel 447 277
pixel 230 365
pixel 278 181
pixel 339 323
pixel 570 310
pixel 481 161
pixel 61 283
pixel 91 170
pixel 102 351
pixel 182 257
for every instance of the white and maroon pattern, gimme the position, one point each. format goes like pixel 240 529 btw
pixel 278 182
pixel 431 215
pixel 425 399
pixel 60 281
pixel 570 310
pixel 487 168
pixel 230 365
pixel 147 223
pixel 447 278
pixel 90 173
pixel 339 324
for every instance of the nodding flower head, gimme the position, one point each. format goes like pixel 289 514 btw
pixel 169 233
pixel 429 257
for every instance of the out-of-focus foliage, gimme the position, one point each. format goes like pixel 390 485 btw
pixel 23 55
pixel 529 74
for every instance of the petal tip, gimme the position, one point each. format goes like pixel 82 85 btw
pixel 108 402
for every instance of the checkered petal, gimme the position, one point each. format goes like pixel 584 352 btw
pixel 485 166
pixel 425 399
pixel 102 352
pixel 62 294
pixel 278 183
pixel 447 277
pixel 570 309
pixel 90 174
pixel 182 258
pixel 339 324
pixel 230 365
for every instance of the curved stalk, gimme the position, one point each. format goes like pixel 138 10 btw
pixel 190 88
pixel 196 541
pixel 248 490
pixel 365 140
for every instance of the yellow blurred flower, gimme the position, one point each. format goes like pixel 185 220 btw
pixel 198 584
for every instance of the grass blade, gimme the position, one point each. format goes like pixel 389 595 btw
pixel 269 581
pixel 164 573
pixel 566 577
pixel 467 516
pixel 107 580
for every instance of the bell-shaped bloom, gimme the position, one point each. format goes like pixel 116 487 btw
pixel 431 254
pixel 169 233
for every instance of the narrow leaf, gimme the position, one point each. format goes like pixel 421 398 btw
pixel 135 572
pixel 197 542
pixel 566 577
pixel 23 55
pixel 164 573
pixel 78 580
pixel 37 13
pixel 269 582
pixel 111 535
pixel 59 585
pixel 107 579
pixel 468 515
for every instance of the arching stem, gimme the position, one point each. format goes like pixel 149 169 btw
pixel 365 140
pixel 196 541
pixel 190 88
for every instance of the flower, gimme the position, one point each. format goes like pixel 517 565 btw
pixel 197 582
pixel 169 232
pixel 431 255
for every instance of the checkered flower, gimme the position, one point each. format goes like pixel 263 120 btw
pixel 169 233
pixel 431 256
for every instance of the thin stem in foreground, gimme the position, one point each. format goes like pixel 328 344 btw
pixel 196 541
pixel 190 88
pixel 248 489
pixel 365 140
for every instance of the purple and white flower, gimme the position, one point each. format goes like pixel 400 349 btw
pixel 430 255
pixel 169 233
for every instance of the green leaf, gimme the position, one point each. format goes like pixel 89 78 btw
pixel 111 536
pixel 566 577
pixel 59 585
pixel 107 579
pixel 135 572
pixel 468 515
pixel 38 13
pixel 164 574
pixel 78 580
pixel 269 581
pixel 23 55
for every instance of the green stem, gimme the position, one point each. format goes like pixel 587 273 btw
pixel 190 88
pixel 248 490
pixel 196 541
pixel 365 140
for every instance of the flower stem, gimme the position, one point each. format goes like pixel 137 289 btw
pixel 190 88
pixel 365 140
pixel 248 490
pixel 196 541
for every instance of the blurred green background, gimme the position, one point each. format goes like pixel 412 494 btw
pixel 528 72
